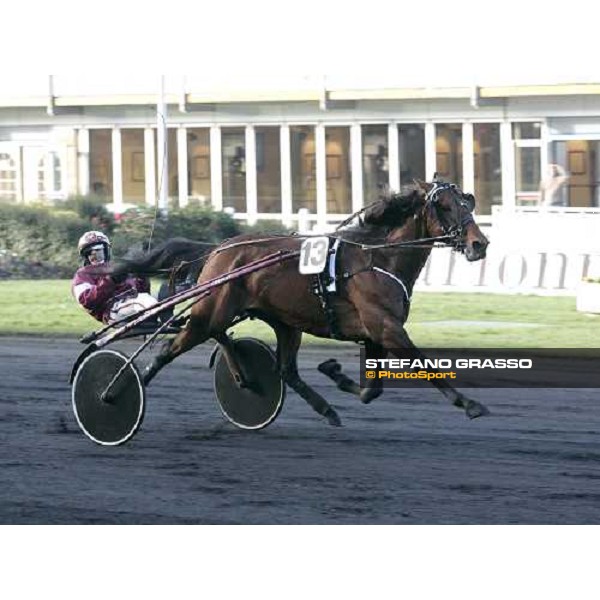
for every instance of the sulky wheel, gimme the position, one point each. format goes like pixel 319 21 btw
pixel 258 404
pixel 108 417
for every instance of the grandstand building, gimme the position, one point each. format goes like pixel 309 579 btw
pixel 308 155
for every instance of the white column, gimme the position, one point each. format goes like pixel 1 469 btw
pixel 216 176
pixel 507 162
pixel 182 166
pixel 83 161
pixel 149 167
pixel 430 153
pixel 286 175
pixel 545 149
pixel 321 175
pixel 251 182
pixel 117 169
pixel 357 166
pixel 162 152
pixel 70 167
pixel 17 155
pixel 393 157
pixel 30 169
pixel 468 158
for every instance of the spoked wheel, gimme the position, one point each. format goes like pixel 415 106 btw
pixel 257 405
pixel 108 417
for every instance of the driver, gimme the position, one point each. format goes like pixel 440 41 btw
pixel 106 297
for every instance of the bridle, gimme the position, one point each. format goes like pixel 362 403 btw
pixel 453 232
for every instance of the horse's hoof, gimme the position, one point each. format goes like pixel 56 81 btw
pixel 475 409
pixel 330 367
pixel 347 385
pixel 370 395
pixel 333 418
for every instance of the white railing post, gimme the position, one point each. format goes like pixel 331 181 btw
pixel 303 221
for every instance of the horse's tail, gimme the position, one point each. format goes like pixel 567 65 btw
pixel 186 255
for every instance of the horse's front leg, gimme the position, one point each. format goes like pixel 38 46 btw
pixel 395 337
pixel 382 315
pixel 472 408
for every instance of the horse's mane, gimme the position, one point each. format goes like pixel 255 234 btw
pixel 391 210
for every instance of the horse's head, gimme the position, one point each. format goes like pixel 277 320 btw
pixel 448 211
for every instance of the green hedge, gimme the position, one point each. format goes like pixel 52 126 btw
pixel 91 209
pixel 136 227
pixel 41 241
pixel 40 237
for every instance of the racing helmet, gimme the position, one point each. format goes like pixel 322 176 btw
pixel 94 247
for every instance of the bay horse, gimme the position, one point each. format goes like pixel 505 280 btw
pixel 372 300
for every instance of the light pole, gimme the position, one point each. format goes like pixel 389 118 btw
pixel 162 153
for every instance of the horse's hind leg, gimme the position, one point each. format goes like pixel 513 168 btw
pixel 374 387
pixel 185 340
pixel 240 376
pixel 288 343
pixel 333 369
pixel 209 318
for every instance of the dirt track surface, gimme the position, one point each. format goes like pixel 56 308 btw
pixel 407 458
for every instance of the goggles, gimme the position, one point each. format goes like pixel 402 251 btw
pixel 96 254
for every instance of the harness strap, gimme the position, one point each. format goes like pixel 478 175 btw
pixel 331 287
pixel 396 279
pixel 325 286
pixel 320 290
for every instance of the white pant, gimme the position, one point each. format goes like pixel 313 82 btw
pixel 129 306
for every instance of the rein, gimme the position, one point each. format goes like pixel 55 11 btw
pixel 418 243
pixel 452 235
pixel 427 242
